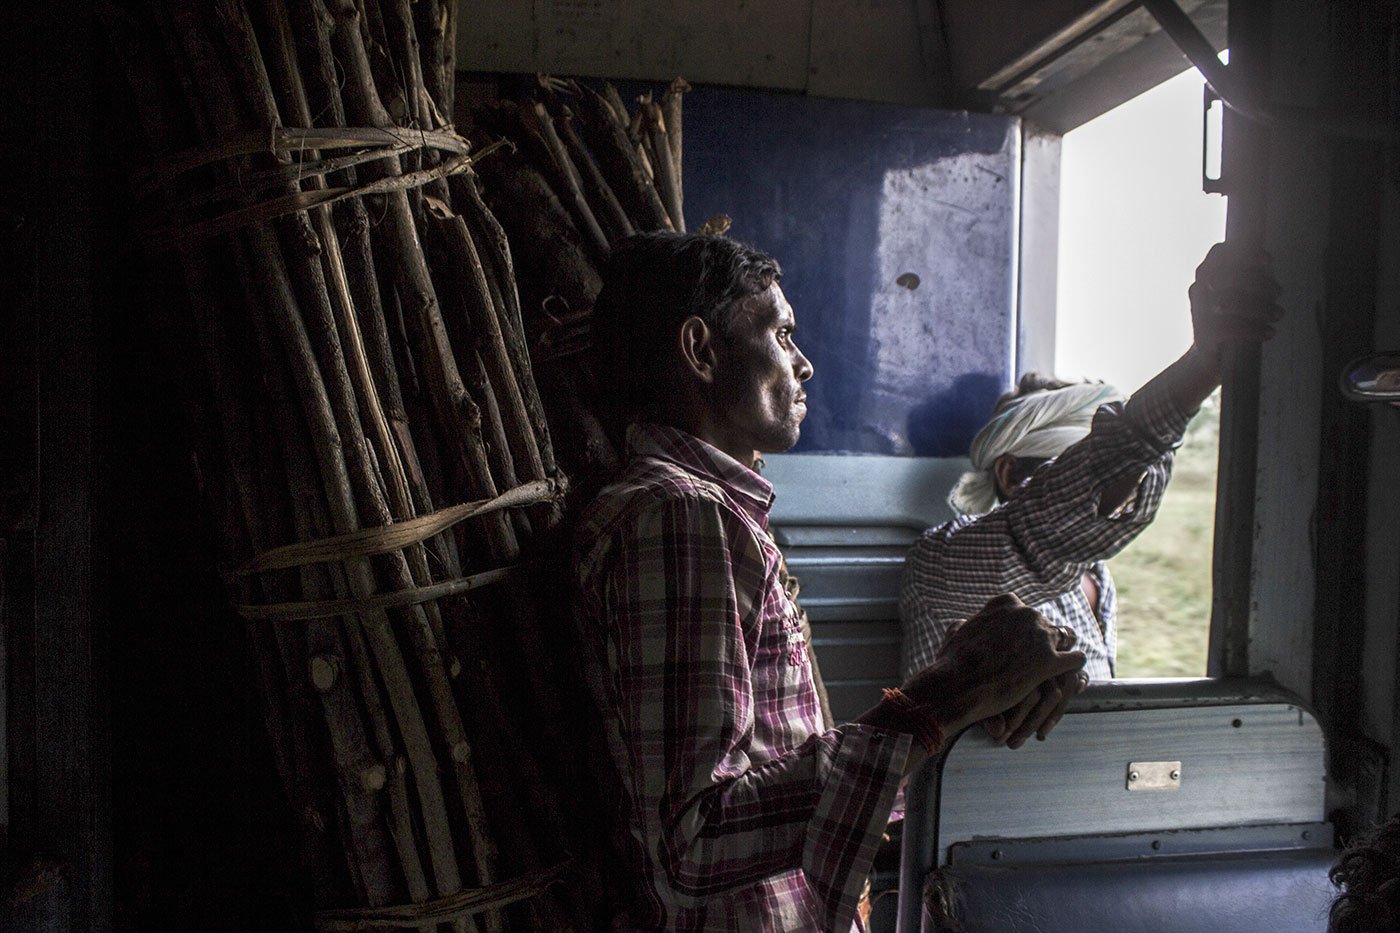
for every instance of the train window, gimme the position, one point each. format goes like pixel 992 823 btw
pixel 1134 223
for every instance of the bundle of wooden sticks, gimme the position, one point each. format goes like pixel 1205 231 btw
pixel 366 328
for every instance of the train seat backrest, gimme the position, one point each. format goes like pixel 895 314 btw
pixel 1166 806
pixel 844 524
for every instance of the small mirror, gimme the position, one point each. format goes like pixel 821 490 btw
pixel 1374 378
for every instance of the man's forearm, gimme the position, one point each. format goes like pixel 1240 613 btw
pixel 1189 380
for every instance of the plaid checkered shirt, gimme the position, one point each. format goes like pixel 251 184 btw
pixel 737 808
pixel 1041 543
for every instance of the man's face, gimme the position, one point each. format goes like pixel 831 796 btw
pixel 759 374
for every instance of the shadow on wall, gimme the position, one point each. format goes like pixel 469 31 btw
pixel 945 424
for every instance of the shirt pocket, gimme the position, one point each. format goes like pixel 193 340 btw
pixel 783 633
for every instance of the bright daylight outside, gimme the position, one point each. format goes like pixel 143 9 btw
pixel 1134 224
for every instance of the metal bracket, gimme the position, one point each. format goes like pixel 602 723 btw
pixel 1212 143
pixel 1154 775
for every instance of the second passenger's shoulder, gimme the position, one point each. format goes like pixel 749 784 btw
pixel 951 527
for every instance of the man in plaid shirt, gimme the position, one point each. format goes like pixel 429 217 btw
pixel 737 806
pixel 1049 500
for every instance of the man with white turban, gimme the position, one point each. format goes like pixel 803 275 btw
pixel 1065 475
pixel 1039 421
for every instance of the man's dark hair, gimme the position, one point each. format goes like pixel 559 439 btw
pixel 1030 382
pixel 652 283
pixel 1368 871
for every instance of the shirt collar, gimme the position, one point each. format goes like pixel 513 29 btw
pixel 648 439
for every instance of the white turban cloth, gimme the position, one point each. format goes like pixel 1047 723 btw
pixel 1041 425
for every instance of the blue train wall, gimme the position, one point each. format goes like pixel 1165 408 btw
pixel 896 228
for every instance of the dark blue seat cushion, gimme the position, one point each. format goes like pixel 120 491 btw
pixel 1253 892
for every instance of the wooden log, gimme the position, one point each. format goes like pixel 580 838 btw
pixel 551 261
pixel 436 24
pixel 671 109
pixel 325 321
pixel 482 342
pixel 620 161
pixel 477 304
pixel 389 20
pixel 361 668
pixel 393 471
pixel 637 134
pixel 387 76
pixel 457 415
pixel 376 309
pixel 493 426
pixel 270 517
pixel 400 822
pixel 616 107
pixel 496 321
pixel 535 124
pixel 523 795
pixel 512 446
pixel 360 773
pixel 472 299
pixel 436 21
pixel 605 204
pixel 396 33
pixel 494 249
pixel 539 669
pixel 281 656
pixel 276 294
pixel 489 325
pixel 667 177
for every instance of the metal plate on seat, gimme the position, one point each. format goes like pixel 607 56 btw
pixel 1154 775
pixel 1248 764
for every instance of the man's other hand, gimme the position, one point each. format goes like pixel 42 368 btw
pixel 1234 298
pixel 1008 662
pixel 1054 694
